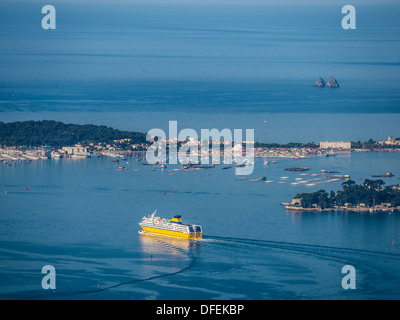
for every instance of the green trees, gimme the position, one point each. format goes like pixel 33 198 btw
pixel 373 145
pixel 58 134
pixel 373 184
pixel 348 183
pixel 370 193
pixel 316 199
pixel 370 144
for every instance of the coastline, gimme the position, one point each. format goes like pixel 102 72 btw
pixel 342 209
pixel 20 154
pixel 40 140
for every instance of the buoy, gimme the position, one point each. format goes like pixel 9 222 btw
pixel 26 189
pixel 163 193
pixel 173 191
pixel 393 243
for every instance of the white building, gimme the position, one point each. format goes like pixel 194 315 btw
pixel 335 145
pixel 390 141
pixel 75 150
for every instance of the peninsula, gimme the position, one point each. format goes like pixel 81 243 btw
pixel 58 134
pixel 368 197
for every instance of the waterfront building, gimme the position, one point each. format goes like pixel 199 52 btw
pixel 75 150
pixel 335 145
pixel 296 202
pixel 390 141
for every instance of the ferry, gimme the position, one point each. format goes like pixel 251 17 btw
pixel 170 227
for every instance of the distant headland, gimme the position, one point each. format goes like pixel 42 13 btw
pixel 47 138
pixel 58 134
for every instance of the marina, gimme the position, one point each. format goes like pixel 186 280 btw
pixel 319 177
pixel 236 242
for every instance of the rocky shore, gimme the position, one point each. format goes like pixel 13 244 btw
pixel 378 208
pixel 332 83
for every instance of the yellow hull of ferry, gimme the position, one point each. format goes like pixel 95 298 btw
pixel 171 233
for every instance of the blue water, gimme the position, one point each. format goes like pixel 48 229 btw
pixel 81 216
pixel 136 67
pixel 207 58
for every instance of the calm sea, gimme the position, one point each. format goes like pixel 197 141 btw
pixel 136 67
pixel 81 216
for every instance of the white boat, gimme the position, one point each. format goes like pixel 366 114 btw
pixel 79 156
pixel 55 155
pixel 163 166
